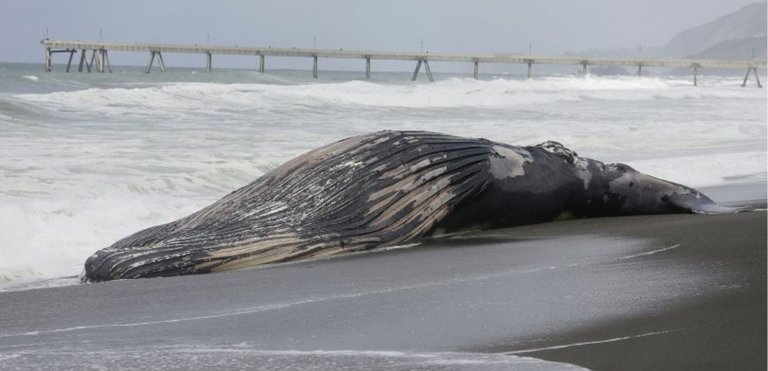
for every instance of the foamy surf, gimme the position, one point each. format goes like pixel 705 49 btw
pixel 86 161
pixel 453 92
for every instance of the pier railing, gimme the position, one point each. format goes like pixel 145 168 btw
pixel 99 58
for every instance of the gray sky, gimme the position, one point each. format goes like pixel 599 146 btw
pixel 551 26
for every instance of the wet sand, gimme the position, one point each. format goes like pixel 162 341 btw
pixel 653 292
pixel 721 327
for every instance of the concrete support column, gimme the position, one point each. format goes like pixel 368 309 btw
pixel 71 54
pixel 695 75
pixel 48 60
pixel 476 72
pixel 584 69
pixel 82 61
pixel 367 68
pixel 429 71
pixel 208 62
pixel 160 60
pixel 639 70
pixel 99 60
pixel 757 78
pixel 416 71
pixel 151 62
pixel 93 59
pixel 261 63
pixel 744 84
pixel 314 67
pixel 530 69
pixel 106 60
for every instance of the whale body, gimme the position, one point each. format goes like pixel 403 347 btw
pixel 385 189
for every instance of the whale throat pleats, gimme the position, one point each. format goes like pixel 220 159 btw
pixel 376 190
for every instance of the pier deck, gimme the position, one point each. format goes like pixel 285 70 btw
pixel 100 57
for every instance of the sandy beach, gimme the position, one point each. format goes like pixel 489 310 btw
pixel 649 292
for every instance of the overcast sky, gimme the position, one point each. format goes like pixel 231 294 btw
pixel 551 26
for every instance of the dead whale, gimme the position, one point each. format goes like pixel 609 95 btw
pixel 384 189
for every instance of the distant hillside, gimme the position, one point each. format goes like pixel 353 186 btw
pixel 725 37
pixel 736 49
pixel 729 37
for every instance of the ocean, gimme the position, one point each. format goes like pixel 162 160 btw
pixel 86 159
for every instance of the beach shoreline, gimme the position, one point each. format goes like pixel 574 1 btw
pixel 641 292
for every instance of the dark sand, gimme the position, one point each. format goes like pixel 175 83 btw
pixel 720 327
pixel 671 292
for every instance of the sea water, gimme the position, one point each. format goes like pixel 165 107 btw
pixel 86 159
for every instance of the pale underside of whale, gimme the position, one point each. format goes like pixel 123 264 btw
pixel 348 196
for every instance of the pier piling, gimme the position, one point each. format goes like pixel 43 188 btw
pixel 99 53
pixel 88 64
pixel 261 63
pixel 69 63
pixel 155 54
pixel 429 71
pixel 162 63
pixel 49 52
pixel 208 62
pixel 426 68
pixel 695 74
pixel 476 72
pixel 82 60
pixel 530 67
pixel 314 67
pixel 105 54
pixel 367 68
pixel 744 84
pixel 416 71
pixel 93 59
pixel 48 60
pixel 757 78
pixel 151 62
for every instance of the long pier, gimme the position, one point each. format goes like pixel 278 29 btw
pixel 99 58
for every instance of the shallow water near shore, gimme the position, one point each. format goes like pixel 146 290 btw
pixel 87 159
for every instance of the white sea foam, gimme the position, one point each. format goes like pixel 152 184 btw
pixel 46 238
pixel 455 92
pixel 31 77
pixel 83 168
pixel 708 169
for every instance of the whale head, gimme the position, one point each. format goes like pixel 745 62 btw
pixel 629 192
